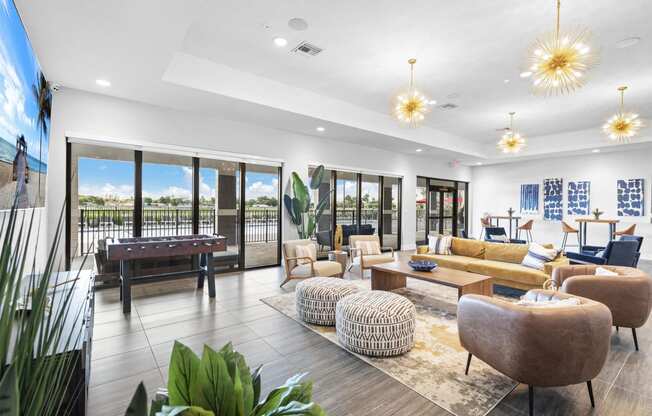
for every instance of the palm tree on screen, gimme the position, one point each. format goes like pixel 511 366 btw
pixel 43 96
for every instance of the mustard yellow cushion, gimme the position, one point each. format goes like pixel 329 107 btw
pixel 468 248
pixel 446 261
pixel 508 271
pixel 509 253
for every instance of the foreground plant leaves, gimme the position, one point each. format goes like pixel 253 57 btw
pixel 9 403
pixel 182 376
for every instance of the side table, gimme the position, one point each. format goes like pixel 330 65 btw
pixel 340 256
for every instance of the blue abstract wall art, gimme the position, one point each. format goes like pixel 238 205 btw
pixel 530 198
pixel 631 197
pixel 553 199
pixel 579 198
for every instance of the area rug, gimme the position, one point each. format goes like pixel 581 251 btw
pixel 434 368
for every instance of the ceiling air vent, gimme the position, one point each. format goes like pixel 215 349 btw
pixel 448 106
pixel 307 49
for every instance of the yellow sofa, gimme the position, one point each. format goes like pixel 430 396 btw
pixel 501 261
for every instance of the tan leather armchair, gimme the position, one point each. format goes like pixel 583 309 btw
pixel 538 346
pixel 365 261
pixel 628 295
pixel 311 268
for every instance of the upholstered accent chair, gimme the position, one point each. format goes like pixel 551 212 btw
pixel 531 344
pixel 624 252
pixel 304 267
pixel 365 261
pixel 628 295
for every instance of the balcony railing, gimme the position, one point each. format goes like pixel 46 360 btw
pixel 261 225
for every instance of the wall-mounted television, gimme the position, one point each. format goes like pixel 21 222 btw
pixel 25 104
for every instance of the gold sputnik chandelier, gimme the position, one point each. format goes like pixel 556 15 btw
pixel 622 126
pixel 411 106
pixel 512 141
pixel 558 61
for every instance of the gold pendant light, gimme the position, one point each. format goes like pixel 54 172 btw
pixel 622 126
pixel 558 62
pixel 411 106
pixel 512 141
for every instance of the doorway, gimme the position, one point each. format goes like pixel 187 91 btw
pixel 441 208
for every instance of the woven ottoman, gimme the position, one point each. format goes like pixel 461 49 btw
pixel 316 298
pixel 376 323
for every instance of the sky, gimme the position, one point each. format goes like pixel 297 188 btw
pixel 18 72
pixel 115 178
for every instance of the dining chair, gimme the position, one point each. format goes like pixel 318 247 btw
pixel 627 231
pixel 567 229
pixel 527 227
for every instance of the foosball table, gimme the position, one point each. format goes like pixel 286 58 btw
pixel 130 250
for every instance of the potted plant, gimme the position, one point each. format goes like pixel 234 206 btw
pixel 221 383
pixel 298 204
pixel 597 213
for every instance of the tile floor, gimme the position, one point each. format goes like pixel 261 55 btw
pixel 131 348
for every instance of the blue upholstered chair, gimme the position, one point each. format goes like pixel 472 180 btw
pixel 617 253
pixel 490 234
pixel 594 250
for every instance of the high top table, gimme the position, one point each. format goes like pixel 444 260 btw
pixel 583 228
pixel 510 218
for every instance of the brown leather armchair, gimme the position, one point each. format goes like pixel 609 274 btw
pixel 538 346
pixel 628 295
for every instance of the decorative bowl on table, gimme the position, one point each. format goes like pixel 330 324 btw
pixel 422 265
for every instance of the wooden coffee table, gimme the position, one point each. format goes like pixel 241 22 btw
pixel 390 276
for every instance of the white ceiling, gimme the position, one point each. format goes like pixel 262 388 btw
pixel 217 57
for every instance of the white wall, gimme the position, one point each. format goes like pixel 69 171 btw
pixel 103 116
pixel 497 188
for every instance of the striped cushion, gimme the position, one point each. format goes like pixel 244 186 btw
pixel 538 255
pixel 376 323
pixel 316 298
pixel 308 250
pixel 440 244
pixel 368 248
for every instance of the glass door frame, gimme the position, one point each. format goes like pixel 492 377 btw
pixel 456 189
pixel 138 206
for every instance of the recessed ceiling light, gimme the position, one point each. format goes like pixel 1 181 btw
pixel 627 42
pixel 280 42
pixel 432 102
pixel 596 150
pixel 320 129
pixel 525 74
pixel 478 163
pixel 298 23
pixel 506 81
pixel 102 83
pixel 419 150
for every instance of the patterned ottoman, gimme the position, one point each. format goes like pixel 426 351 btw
pixel 376 323
pixel 316 298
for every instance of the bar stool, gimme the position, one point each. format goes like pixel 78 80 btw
pixel 567 229
pixel 485 222
pixel 527 227
pixel 627 231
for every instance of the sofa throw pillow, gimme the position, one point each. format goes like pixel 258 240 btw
pixel 499 237
pixel 308 250
pixel 601 271
pixel 368 248
pixel 440 244
pixel 537 256
pixel 549 303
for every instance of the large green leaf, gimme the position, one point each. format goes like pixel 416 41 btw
pixel 138 405
pixel 9 395
pixel 255 380
pixel 317 177
pixel 183 411
pixel 287 199
pixel 215 387
pixel 300 191
pixel 310 227
pixel 292 391
pixel 297 408
pixel 182 375
pixel 323 203
pixel 298 209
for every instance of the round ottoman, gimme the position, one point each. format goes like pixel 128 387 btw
pixel 376 323
pixel 316 298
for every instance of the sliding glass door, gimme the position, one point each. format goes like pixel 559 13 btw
pixel 370 202
pixel 391 212
pixel 346 198
pixel 262 212
pixel 116 193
